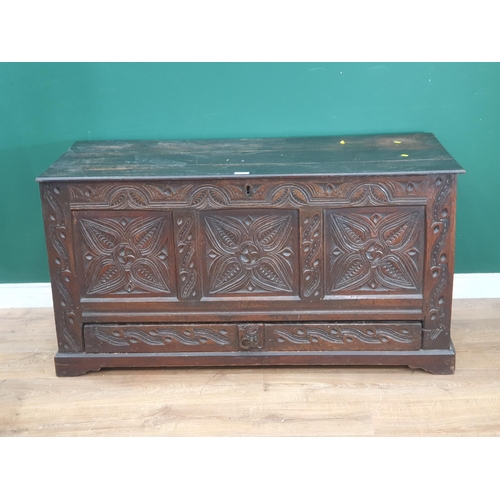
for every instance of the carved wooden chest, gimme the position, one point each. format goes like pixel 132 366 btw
pixel 298 251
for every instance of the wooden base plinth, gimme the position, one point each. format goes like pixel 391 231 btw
pixel 439 361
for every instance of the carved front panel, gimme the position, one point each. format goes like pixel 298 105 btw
pixel 252 252
pixel 375 250
pixel 126 254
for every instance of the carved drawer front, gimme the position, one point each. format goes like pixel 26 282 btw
pixel 250 252
pixel 374 250
pixel 126 254
pixel 343 336
pixel 161 338
pixel 252 337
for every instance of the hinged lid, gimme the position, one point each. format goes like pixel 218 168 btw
pixel 295 156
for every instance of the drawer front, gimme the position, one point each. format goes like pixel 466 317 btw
pixel 344 336
pixel 253 337
pixel 161 338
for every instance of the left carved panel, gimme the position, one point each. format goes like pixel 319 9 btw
pixel 124 254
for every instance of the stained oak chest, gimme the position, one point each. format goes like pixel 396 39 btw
pixel 296 251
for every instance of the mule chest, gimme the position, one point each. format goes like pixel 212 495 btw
pixel 252 252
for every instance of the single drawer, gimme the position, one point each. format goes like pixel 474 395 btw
pixel 233 337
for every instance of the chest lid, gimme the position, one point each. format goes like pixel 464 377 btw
pixel 393 154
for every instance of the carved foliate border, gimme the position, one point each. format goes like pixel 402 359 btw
pixel 188 269
pixel 291 194
pixel 58 238
pixel 311 259
pixel 439 279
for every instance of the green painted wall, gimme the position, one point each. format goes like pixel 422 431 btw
pixel 44 108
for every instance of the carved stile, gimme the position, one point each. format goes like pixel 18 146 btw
pixel 58 227
pixel 188 274
pixel 311 248
pixel 440 265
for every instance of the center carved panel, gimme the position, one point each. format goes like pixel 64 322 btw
pixel 375 250
pixel 250 252
pixel 127 254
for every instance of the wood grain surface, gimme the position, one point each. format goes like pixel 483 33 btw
pixel 365 154
pixel 337 401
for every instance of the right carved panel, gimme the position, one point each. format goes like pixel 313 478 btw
pixel 375 250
